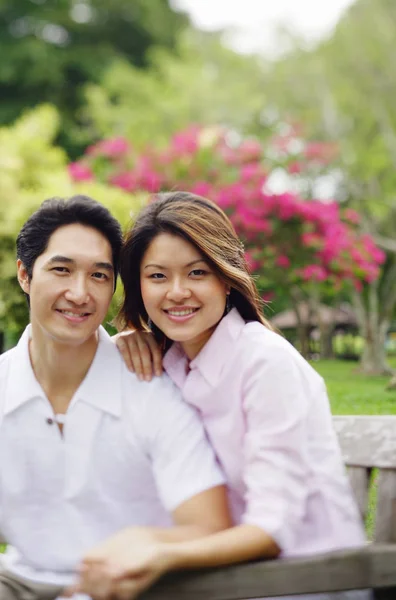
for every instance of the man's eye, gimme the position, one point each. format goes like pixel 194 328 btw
pixel 60 269
pixel 99 275
pixel 157 276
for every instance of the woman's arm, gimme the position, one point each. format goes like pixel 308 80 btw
pixel 238 544
pixel 135 558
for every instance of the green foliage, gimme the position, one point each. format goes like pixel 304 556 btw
pixel 49 50
pixel 203 82
pixel 31 170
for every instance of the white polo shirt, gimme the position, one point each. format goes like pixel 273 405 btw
pixel 130 452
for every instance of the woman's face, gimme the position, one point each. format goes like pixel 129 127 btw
pixel 182 294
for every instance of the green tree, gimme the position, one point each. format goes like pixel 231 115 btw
pixel 344 91
pixel 49 50
pixel 31 170
pixel 202 82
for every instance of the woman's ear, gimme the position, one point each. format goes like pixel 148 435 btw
pixel 23 277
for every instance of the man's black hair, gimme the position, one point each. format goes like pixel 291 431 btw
pixel 34 237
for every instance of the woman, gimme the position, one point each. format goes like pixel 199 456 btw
pixel 265 410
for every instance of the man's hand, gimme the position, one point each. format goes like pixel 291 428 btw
pixel 123 566
pixel 141 353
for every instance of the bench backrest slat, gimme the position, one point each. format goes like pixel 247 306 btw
pixel 367 441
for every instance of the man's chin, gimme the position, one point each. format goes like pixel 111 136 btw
pixel 75 339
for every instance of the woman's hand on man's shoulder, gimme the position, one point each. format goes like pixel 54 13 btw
pixel 140 352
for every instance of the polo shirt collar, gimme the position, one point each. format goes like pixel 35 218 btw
pixel 213 357
pixel 101 386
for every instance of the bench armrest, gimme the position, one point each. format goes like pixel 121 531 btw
pixel 373 566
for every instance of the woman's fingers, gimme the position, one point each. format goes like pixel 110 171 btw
pixel 143 357
pixel 152 357
pixel 157 355
pixel 96 581
pixel 128 588
pixel 123 347
pixel 141 353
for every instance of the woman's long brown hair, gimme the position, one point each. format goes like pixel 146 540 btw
pixel 203 224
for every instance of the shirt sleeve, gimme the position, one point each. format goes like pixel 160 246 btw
pixel 183 462
pixel 276 467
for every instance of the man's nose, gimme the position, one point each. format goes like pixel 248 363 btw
pixel 78 291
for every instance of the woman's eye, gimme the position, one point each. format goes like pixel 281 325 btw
pixel 198 272
pixel 157 276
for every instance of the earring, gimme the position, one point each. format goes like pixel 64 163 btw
pixel 228 304
pixel 149 323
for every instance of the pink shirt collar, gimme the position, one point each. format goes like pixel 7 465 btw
pixel 213 356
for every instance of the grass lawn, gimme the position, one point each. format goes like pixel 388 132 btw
pixel 352 393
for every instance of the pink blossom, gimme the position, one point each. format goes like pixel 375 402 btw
pixel 267 296
pixel 112 148
pixel 295 167
pixel 371 272
pixel 283 261
pixel 78 171
pixel 378 255
pixel 251 221
pixel 352 216
pixel 321 151
pixel 314 272
pixel 229 155
pixel 126 181
pixel 311 240
pixel 287 208
pixel 186 142
pixel 372 250
pixel 358 285
pixel 149 181
pixel 252 171
pixel 250 150
pixel 253 264
pixel 201 188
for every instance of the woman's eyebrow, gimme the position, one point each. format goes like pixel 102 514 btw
pixel 193 262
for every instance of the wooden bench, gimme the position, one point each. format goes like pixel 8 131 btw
pixel 367 442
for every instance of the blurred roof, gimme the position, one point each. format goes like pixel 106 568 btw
pixel 340 315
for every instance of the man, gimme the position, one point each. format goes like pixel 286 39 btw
pixel 86 449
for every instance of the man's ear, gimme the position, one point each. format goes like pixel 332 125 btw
pixel 23 276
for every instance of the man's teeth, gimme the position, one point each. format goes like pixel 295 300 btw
pixel 73 314
pixel 181 313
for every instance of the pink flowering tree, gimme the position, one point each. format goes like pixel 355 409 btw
pixel 297 248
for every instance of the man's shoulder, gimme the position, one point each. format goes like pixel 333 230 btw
pixel 5 360
pixel 159 389
pixel 151 401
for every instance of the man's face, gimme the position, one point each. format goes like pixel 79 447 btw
pixel 71 286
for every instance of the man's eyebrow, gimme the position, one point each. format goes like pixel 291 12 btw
pixel 58 258
pixel 104 265
pixel 190 264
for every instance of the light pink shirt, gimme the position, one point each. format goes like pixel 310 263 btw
pixel 266 412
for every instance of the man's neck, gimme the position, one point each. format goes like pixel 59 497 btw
pixel 60 368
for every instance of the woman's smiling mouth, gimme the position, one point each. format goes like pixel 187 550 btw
pixel 180 314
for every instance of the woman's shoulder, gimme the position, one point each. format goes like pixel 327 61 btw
pixel 259 346
pixel 265 341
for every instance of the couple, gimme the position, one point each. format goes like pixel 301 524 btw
pixel 108 481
